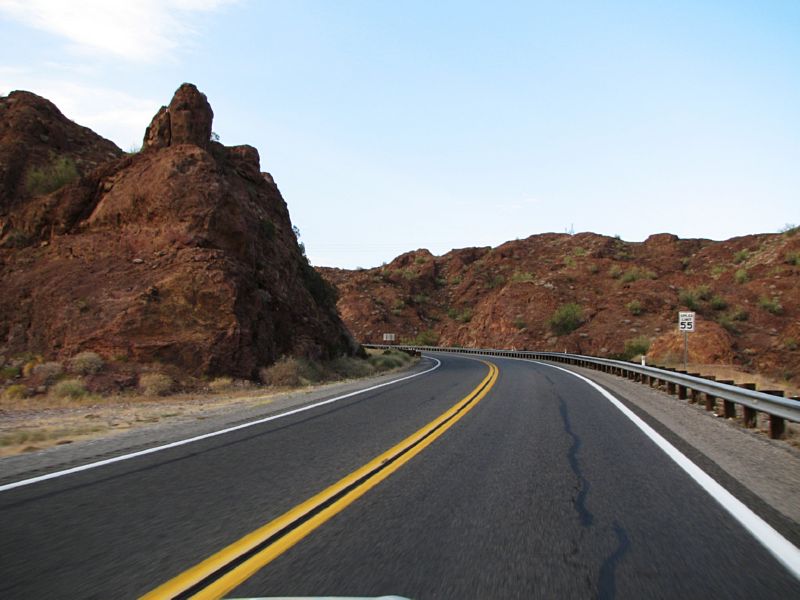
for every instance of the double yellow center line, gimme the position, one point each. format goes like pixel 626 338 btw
pixel 228 568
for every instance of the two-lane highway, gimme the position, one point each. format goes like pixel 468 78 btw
pixel 528 483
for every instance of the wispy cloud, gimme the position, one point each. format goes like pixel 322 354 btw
pixel 141 30
pixel 115 115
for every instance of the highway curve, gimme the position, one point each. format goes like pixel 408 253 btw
pixel 524 483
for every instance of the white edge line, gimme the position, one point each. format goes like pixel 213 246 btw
pixel 108 461
pixel 787 553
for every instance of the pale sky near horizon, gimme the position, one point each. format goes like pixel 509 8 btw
pixel 391 126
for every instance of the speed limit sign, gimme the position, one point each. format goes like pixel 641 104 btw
pixel 686 321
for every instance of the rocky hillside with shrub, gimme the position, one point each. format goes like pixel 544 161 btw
pixel 592 294
pixel 179 259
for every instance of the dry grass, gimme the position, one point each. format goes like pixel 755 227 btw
pixel 156 384
pixel 738 376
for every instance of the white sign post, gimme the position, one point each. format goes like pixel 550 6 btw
pixel 389 337
pixel 686 325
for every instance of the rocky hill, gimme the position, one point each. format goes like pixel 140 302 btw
pixel 592 294
pixel 182 254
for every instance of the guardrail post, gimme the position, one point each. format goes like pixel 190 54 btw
pixel 777 425
pixel 749 415
pixel 711 401
pixel 728 407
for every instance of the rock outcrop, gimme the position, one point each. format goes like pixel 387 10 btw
pixel 182 254
pixel 746 292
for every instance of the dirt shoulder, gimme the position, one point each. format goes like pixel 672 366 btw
pixel 62 437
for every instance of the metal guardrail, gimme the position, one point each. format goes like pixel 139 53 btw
pixel 684 385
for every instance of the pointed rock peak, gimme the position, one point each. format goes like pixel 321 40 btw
pixel 187 120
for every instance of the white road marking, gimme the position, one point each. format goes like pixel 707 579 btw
pixel 108 461
pixel 781 548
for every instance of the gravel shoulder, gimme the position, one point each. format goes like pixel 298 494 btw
pixel 768 469
pixel 130 427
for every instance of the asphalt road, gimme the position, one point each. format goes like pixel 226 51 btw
pixel 542 490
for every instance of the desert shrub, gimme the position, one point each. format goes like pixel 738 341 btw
pixel 464 316
pixel 420 260
pixel 494 282
pixel 48 371
pixel 569 262
pixel 739 314
pixel 615 272
pixel 86 363
pixel 420 299
pixel 519 323
pixel 741 256
pixel 156 384
pixel 790 229
pixel 220 384
pixel 636 273
pixel 350 367
pixel 635 307
pixel 771 305
pixel 703 292
pixel 688 298
pixel 718 303
pixel 27 368
pixel 741 276
pixel 566 318
pixel 386 362
pixel 522 277
pixel 425 338
pixel 291 372
pixel 792 258
pixel 593 268
pixel 717 270
pixel 16 392
pixel 49 178
pixel 636 347
pixel 728 323
pixel 7 373
pixel 790 344
pixel 579 251
pixel 69 388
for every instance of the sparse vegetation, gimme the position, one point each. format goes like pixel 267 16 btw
pixel 771 305
pixel 566 319
pixel 688 298
pixel 425 338
pixel 636 273
pixel 267 229
pixel 636 347
pixel 569 262
pixel 741 256
pixel 520 323
pixel 790 344
pixel 739 314
pixel 49 178
pixel 494 282
pixel 792 258
pixel 522 277
pixel 8 373
pixel 48 372
pixel 635 307
pixel 85 363
pixel 389 359
pixel 790 229
pixel 420 299
pixel 593 268
pixel 718 303
pixel 69 388
pixel 703 292
pixel 156 384
pixel 464 316
pixel 717 271
pixel 290 371
pixel 220 384
pixel 17 391
pixel 741 276
pixel 615 272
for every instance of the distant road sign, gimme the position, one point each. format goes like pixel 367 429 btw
pixel 389 337
pixel 686 321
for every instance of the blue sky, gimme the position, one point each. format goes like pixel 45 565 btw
pixel 391 126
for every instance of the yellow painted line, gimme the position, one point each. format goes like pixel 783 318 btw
pixel 371 473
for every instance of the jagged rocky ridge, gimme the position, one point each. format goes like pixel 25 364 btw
pixel 746 292
pixel 181 254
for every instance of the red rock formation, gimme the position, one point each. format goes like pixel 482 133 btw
pixel 182 254
pixel 504 297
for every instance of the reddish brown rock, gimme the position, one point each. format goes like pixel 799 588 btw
pixel 504 297
pixel 187 120
pixel 33 136
pixel 182 255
